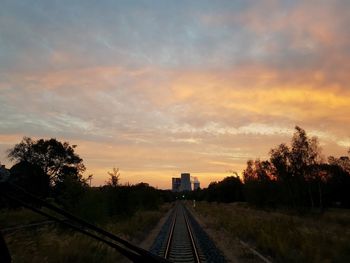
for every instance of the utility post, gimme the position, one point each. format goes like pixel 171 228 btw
pixel 90 178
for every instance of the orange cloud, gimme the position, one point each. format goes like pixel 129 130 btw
pixel 202 97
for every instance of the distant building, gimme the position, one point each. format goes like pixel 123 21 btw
pixel 176 184
pixel 185 182
pixel 196 185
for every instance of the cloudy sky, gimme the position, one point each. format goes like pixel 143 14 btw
pixel 162 87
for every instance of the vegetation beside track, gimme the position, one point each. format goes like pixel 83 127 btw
pixel 281 235
pixel 57 245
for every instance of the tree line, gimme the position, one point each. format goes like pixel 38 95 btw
pixel 295 176
pixel 52 170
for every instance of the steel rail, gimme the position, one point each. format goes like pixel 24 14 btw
pixel 167 250
pixel 181 212
pixel 193 243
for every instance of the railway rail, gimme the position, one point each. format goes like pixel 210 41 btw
pixel 183 240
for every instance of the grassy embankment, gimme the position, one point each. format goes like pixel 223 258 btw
pixel 57 245
pixel 282 236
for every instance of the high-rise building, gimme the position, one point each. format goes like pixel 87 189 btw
pixel 196 185
pixel 176 183
pixel 185 182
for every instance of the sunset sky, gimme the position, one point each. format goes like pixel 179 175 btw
pixel 157 88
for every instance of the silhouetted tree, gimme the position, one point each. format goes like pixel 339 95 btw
pixel 48 166
pixel 338 181
pixel 69 187
pixel 52 156
pixel 143 196
pixel 259 183
pixel 230 189
pixel 303 155
pixel 248 173
pixel 280 159
pixel 114 177
pixel 343 162
pixel 31 178
pixel 297 176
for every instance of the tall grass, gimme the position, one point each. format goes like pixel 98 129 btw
pixel 11 217
pixel 284 237
pixel 58 245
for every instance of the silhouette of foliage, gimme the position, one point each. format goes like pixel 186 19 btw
pixel 105 202
pixel 30 177
pixel 53 157
pixel 228 190
pixel 114 177
pixel 259 183
pixel 48 168
pixel 297 176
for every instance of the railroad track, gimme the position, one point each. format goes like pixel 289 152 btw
pixel 182 240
